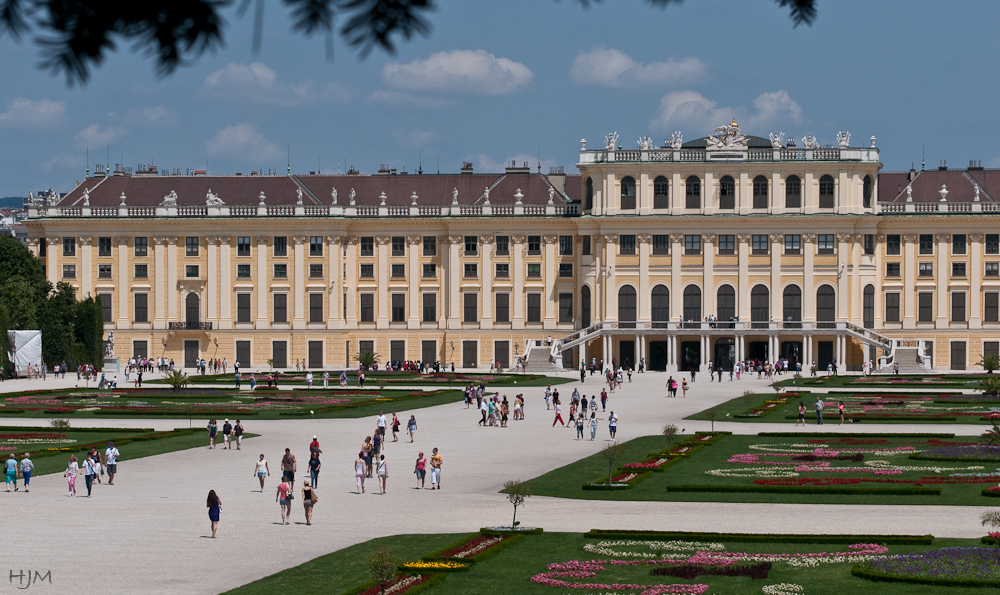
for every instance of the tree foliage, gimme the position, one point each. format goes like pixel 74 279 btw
pixel 517 493
pixel 382 566
pixel 75 36
pixel 367 359
pixel 613 452
pixel 990 362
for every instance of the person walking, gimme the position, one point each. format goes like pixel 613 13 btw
pixel 558 417
pixel 436 461
pixel 72 470
pixel 288 468
pixel 604 400
pixel 96 458
pixel 420 469
pixel 840 410
pixel 283 498
pixel 213 429
pixel 579 427
pixel 314 448
pixel 227 433
pixel 359 471
pixel 314 466
pixel 381 422
pixel 395 427
pixel 802 414
pixel 214 507
pixel 548 397
pixel 483 408
pixel 593 426
pixel 238 433
pixel 367 450
pixel 111 456
pixel 383 473
pixel 326 379
pixel 819 411
pixel 89 472
pixel 261 470
pixel 411 427
pixel 26 468
pixel 309 499
pixel 613 424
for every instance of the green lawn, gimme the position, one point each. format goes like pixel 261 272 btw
pixel 692 470
pixel 509 572
pixel 901 382
pixel 372 379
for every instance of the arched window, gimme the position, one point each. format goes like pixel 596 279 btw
pixel 793 192
pixel 725 305
pixel 792 306
pixel 826 307
pixel 826 192
pixel 585 305
pixel 760 192
pixel 661 193
pixel 661 303
pixel 727 193
pixel 589 204
pixel 868 313
pixel 626 306
pixel 692 303
pixel 192 308
pixel 628 193
pixel 866 193
pixel 760 306
pixel 692 193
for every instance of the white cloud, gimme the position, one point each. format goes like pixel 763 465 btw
pixel 416 139
pixel 404 99
pixel 474 72
pixel 96 135
pixel 64 162
pixel 486 165
pixel 26 113
pixel 243 142
pixel 258 83
pixel 692 110
pixel 614 68
pixel 158 116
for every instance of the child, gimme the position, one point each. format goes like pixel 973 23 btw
pixel 72 470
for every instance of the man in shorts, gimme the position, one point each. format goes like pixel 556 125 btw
pixel 288 467
pixel 380 420
pixel 111 461
pixel 238 432
pixel 227 432
pixel 436 461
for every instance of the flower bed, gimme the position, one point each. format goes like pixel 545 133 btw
pixel 401 583
pixel 475 549
pixel 960 452
pixel 993 492
pixel 433 566
pixel 690 536
pixel 952 566
pixel 812 490
pixel 622 481
pixel 560 571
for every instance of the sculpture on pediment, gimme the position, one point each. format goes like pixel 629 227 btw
pixel 486 196
pixel 676 140
pixel 552 193
pixel 351 196
pixel 844 139
pixel 727 137
pixel 333 195
pixel 86 197
pixel 611 141
pixel 212 199
pixel 646 143
pixel 777 139
pixel 809 141
pixel 170 200
pixel 298 197
pixel 262 198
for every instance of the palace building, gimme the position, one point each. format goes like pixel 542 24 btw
pixel 721 248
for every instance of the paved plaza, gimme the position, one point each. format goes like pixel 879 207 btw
pixel 148 532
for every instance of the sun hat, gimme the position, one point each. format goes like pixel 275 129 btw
pixel 315 438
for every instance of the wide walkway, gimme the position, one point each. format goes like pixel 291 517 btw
pixel 147 533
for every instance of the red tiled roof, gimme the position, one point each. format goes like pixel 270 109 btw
pixel 191 190
pixel 926 185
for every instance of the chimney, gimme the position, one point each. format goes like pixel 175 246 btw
pixel 466 167
pixel 512 168
pixel 557 177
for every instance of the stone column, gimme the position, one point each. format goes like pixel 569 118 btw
pixel 856 308
pixel 976 281
pixel 212 285
pixel 879 276
pixel 676 288
pixel 172 315
pixel 644 297
pixel 909 271
pixel 808 286
pixel 942 277
pixel 350 282
pixel 610 287
pixel 743 292
pixel 86 272
pixel 159 283
pixel 517 272
pixel 413 247
pixel 550 272
pixel 845 288
pixel 708 274
pixel 123 285
pixel 299 316
pixel 776 243
pixel 382 242
pixel 225 283
pixel 335 312
pixel 486 312
pixel 595 295
pixel 454 281
pixel 261 285
pixel 51 255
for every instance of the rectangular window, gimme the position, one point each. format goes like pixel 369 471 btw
pixel 316 307
pixel 992 269
pixel 141 246
pixel 140 349
pixel 502 307
pixel 727 244
pixel 758 244
pixel 315 352
pixel 958 243
pixel 626 245
pixel 793 244
pixel 565 269
pixel 925 269
pixel 534 245
pixel 925 306
pixel 430 270
pixel 958 306
pixel 470 270
pixel 281 271
pixel 825 243
pixel 69 271
pixel 367 246
pixel 991 306
pixel 661 244
pixel 69 246
pixel 534 307
pixel 565 245
pixel 869 243
pixel 692 244
pixel 958 356
pixel 367 271
pixel 585 247
pixel 104 271
pixel 243 307
pixel 367 307
pixel 958 269
pixel 430 307
pixel 471 245
pixel 430 244
pixel 243 246
pixel 104 246
pixel 315 245
pixel 315 271
pixel 191 246
pixel 893 244
pixel 243 271
pixel 926 243
pixel 141 303
pixel 893 269
pixel 892 307
pixel 534 270
pixel 991 348
pixel 279 354
pixel 503 245
pixel 993 243
pixel 106 304
pixel 398 246
pixel 280 302
pixel 503 270
pixel 470 310
pixel 243 352
pixel 565 307
pixel 397 271
pixel 398 307
pixel 191 271
pixel 281 246
pixel 141 271
pixel 397 351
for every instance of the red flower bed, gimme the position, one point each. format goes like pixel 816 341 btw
pixel 472 544
pixel 32 436
pixel 411 580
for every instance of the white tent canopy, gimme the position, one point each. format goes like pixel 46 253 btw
pixel 25 350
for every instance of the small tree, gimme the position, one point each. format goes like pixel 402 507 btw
pixel 86 376
pixel 748 396
pixel 367 359
pixel 382 567
pixel 613 452
pixel 991 436
pixel 777 387
pixel 710 415
pixel 989 362
pixel 270 365
pixel 991 518
pixel 176 379
pixel 670 433
pixel 60 426
pixel 989 385
pixel 517 492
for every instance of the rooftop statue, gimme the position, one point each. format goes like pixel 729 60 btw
pixel 213 200
pixel 777 139
pixel 676 140
pixel 646 143
pixel 170 200
pixel 809 141
pixel 611 141
pixel 844 139
pixel 727 137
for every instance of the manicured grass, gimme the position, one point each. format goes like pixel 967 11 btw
pixel 691 470
pixel 509 572
pixel 372 379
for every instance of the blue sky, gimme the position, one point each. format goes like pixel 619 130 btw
pixel 517 79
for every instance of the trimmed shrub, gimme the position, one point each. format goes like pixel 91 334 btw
pixel 941 582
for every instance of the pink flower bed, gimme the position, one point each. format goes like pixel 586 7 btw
pixel 588 570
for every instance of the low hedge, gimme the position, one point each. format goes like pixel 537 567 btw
pixel 513 539
pixel 435 578
pixel 924 457
pixel 871 435
pixel 815 490
pixel 758 537
pixel 993 494
pixel 10 410
pixel 178 413
pixel 942 582
pixel 863 417
pixel 642 475
pixel 990 540
pixel 502 531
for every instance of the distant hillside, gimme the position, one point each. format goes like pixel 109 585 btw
pixel 11 201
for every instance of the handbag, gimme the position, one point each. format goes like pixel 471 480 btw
pixel 314 495
pixel 291 495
